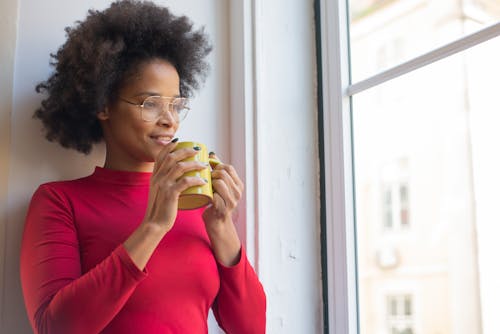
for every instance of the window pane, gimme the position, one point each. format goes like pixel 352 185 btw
pixel 404 217
pixel 403 193
pixel 407 306
pixel 387 208
pixel 385 33
pixel 444 122
pixel 393 307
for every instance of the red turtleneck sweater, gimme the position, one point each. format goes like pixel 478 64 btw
pixel 78 278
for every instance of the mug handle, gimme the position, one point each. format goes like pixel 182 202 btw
pixel 214 162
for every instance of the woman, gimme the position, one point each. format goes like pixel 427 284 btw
pixel 110 252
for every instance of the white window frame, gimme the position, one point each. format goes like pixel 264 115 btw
pixel 341 295
pixel 243 131
pixel 339 211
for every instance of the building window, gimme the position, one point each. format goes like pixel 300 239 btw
pixel 396 206
pixel 400 314
pixel 395 195
pixel 403 209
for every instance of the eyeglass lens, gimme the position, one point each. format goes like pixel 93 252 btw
pixel 154 106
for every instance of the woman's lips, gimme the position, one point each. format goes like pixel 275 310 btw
pixel 161 140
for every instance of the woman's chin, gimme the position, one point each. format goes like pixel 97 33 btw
pixel 154 155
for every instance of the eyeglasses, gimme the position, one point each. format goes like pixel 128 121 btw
pixel 153 106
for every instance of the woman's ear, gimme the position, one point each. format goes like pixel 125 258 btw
pixel 103 115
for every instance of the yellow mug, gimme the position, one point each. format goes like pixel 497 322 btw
pixel 198 196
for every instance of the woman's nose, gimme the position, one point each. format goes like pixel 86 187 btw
pixel 167 117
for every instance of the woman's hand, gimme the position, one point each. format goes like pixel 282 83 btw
pixel 165 186
pixel 167 182
pixel 228 189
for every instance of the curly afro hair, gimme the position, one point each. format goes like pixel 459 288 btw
pixel 103 51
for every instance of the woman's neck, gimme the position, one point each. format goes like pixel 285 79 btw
pixel 127 165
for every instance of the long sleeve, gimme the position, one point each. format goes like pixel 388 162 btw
pixel 58 298
pixel 240 306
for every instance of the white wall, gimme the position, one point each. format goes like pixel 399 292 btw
pixel 287 160
pixel 32 160
pixel 262 79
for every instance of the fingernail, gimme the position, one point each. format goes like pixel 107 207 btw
pixel 204 180
pixel 206 164
pixel 196 148
pixel 175 140
pixel 211 153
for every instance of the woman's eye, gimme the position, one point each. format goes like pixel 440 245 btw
pixel 150 104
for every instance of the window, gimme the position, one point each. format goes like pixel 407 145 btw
pixel 399 314
pixel 395 202
pixel 410 120
pixel 395 206
pixel 388 208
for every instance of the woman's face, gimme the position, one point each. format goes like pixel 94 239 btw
pixel 131 143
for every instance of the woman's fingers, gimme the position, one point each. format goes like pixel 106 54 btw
pixel 183 167
pixel 219 206
pixel 169 154
pixel 221 188
pixel 175 181
pixel 229 169
pixel 218 165
pixel 163 153
pixel 232 184
pixel 226 184
pixel 187 182
pixel 213 160
pixel 171 167
pixel 171 164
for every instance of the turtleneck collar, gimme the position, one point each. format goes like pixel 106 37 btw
pixel 121 177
